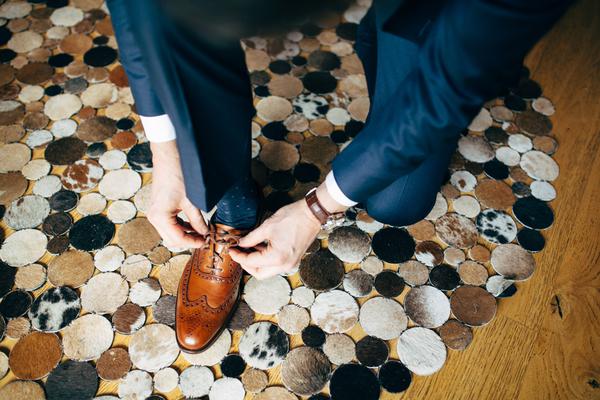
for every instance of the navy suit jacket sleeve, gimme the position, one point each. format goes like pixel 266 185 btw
pixel 473 51
pixel 146 101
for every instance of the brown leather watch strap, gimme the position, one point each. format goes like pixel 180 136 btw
pixel 315 206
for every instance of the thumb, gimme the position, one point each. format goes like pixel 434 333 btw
pixel 255 237
pixel 195 217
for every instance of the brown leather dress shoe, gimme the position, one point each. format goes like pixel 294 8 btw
pixel 209 290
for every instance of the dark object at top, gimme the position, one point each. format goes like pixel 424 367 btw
pixel 220 20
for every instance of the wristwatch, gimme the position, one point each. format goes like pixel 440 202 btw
pixel 328 220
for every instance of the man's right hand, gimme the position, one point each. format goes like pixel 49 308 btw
pixel 169 198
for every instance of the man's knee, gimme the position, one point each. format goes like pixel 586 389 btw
pixel 396 214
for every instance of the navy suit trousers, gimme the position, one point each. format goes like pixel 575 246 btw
pixel 409 198
pixel 405 201
pixel 430 66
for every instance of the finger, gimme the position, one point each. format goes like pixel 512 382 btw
pixel 262 257
pixel 248 250
pixel 238 256
pixel 195 217
pixel 242 257
pixel 268 272
pixel 186 225
pixel 251 270
pixel 259 247
pixel 185 240
pixel 176 235
pixel 255 237
pixel 262 272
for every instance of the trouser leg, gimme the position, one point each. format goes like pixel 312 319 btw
pixel 411 197
pixel 387 60
pixel 218 97
pixel 366 48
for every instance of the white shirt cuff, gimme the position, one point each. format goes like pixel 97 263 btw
pixel 158 128
pixel 335 192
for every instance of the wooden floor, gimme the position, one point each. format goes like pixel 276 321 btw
pixel 545 341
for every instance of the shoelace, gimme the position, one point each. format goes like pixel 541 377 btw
pixel 221 237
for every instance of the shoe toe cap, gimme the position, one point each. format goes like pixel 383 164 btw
pixel 196 341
